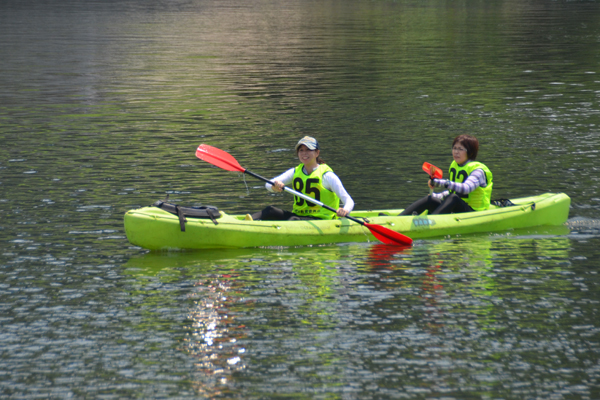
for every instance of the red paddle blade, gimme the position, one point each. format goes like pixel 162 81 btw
pixel 218 157
pixel 433 171
pixel 388 236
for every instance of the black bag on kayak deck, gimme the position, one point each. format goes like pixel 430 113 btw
pixel 194 212
pixel 502 203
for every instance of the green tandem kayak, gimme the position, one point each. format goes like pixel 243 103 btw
pixel 156 229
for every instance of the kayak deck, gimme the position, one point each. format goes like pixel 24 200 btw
pixel 155 229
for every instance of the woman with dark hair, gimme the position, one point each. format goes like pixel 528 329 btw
pixel 469 186
pixel 313 178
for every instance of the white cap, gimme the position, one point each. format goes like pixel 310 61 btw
pixel 309 142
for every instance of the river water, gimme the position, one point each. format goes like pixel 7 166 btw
pixel 103 103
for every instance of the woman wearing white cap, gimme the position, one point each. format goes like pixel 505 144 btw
pixel 315 179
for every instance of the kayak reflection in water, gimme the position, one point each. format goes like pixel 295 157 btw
pixel 469 186
pixel 315 179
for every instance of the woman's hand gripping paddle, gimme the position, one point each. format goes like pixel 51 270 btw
pixel 433 172
pixel 226 161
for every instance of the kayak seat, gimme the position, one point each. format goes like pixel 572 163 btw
pixel 502 203
pixel 211 212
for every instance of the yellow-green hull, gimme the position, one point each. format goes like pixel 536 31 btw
pixel 155 229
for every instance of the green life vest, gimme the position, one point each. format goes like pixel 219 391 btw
pixel 478 199
pixel 312 185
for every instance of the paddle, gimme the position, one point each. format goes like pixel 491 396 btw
pixel 226 161
pixel 433 172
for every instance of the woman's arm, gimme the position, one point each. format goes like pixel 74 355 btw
pixel 285 178
pixel 332 182
pixel 473 181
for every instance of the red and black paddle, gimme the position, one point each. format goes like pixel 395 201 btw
pixel 433 172
pixel 226 161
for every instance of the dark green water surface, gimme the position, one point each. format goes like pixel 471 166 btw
pixel 103 103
